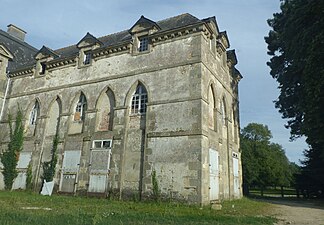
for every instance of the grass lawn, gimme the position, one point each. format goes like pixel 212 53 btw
pixel 30 208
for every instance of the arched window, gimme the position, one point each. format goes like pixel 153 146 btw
pixel 111 98
pixel 139 100
pixel 105 111
pixel 80 108
pixel 53 118
pixel 34 114
pixel 233 125
pixel 211 109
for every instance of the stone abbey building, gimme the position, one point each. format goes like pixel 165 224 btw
pixel 160 96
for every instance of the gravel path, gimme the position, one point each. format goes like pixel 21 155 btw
pixel 297 212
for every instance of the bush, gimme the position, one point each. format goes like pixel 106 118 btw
pixel 155 184
pixel 49 167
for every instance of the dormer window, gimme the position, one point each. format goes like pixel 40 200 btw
pixel 85 46
pixel 86 58
pixel 140 31
pixel 143 44
pixel 43 56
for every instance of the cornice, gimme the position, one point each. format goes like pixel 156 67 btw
pixel 22 72
pixel 175 33
pixel 121 47
pixel 61 62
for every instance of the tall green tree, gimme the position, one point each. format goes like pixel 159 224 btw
pixel 10 157
pixel 281 170
pixel 296 45
pixel 264 163
pixel 254 141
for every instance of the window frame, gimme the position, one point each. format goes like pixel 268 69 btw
pixel 34 114
pixel 81 107
pixel 139 100
pixel 42 68
pixel 87 58
pixel 102 143
pixel 143 44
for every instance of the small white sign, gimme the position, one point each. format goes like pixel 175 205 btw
pixel 47 188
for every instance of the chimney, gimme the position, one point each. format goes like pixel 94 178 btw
pixel 16 32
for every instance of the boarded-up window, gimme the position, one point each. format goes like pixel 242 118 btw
pixel 105 111
pixel 53 118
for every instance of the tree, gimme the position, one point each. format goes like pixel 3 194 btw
pixel 49 167
pixel 296 45
pixel 254 141
pixel 10 157
pixel 282 173
pixel 264 163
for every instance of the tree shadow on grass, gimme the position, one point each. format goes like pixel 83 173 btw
pixel 292 201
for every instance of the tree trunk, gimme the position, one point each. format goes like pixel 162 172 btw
pixel 246 189
pixel 282 192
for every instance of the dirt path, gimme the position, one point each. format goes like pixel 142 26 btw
pixel 297 212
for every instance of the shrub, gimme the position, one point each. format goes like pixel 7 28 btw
pixel 49 167
pixel 155 184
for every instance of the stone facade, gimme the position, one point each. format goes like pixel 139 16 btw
pixel 160 96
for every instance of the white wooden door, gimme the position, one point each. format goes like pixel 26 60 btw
pixel 236 177
pixel 213 175
pixel 22 165
pixel 70 169
pixel 99 170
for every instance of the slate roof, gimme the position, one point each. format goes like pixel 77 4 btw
pixel 23 53
pixel 109 40
pixel 123 36
pixel 178 21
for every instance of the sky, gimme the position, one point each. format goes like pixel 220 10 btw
pixel 60 23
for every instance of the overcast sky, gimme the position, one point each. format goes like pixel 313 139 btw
pixel 59 23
